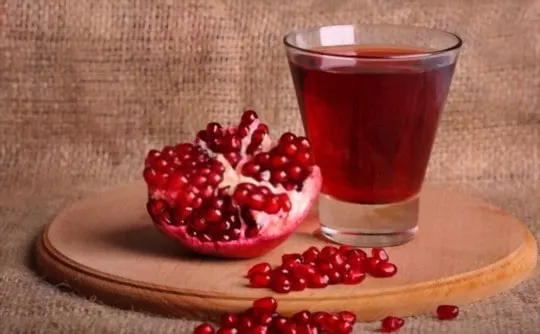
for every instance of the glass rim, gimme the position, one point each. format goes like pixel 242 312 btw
pixel 457 45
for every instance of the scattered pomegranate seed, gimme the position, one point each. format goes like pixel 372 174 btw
pixel 384 269
pixel 347 316
pixel 447 312
pixel 263 267
pixel 267 304
pixel 379 254
pixel 391 324
pixel 259 280
pixel 229 320
pixel 302 317
pixel 204 329
pixel 343 327
pixel 281 283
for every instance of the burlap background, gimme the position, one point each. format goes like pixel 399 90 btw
pixel 86 87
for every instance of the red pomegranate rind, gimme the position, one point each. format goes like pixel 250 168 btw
pixel 233 192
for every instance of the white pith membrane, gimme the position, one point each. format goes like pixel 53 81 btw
pixel 271 226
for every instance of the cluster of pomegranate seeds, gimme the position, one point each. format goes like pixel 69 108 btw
pixel 263 318
pixel 214 188
pixel 317 269
pixel 287 164
pixel 447 312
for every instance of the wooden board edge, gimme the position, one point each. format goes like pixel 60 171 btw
pixel 480 284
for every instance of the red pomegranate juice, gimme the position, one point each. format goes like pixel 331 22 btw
pixel 371 123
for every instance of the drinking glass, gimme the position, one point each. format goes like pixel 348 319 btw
pixel 370 97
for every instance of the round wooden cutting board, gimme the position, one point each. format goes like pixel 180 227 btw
pixel 106 247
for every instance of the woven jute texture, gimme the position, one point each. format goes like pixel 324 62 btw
pixel 87 86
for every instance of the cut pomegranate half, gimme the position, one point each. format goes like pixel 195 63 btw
pixel 234 192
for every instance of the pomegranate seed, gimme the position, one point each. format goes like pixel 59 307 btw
pixel 213 128
pixel 263 267
pixel 343 327
pixel 263 127
pixel 298 283
pixel 252 232
pixel 198 225
pixel 241 196
pixel 303 143
pixel 198 180
pixel 304 270
pixel 334 276
pixel 242 131
pixel 281 283
pixel 214 179
pixel 353 277
pixel 232 157
pixel 232 143
pixel 256 201
pixel 311 254
pixel 259 280
pixel 383 270
pixel 265 319
pixel 337 260
pixel 177 181
pixel 379 254
pixel 257 137
pixel 272 205
pixel 330 322
pixel 289 149
pixel 287 137
pixel 213 215
pixel 289 328
pixel 323 266
pixel 259 329
pixel 295 173
pixel 344 249
pixel 303 158
pixel 248 117
pixel 278 176
pixel 228 320
pixel 207 191
pixel 327 252
pixel 279 323
pixel 447 312
pixel 244 323
pixel 371 264
pixel 302 317
pixel 278 161
pixel 285 202
pixel 356 258
pixel 292 257
pixel 391 324
pixel 268 304
pixel 347 316
pixel 203 135
pixel 250 169
pixel 204 329
pixel 317 281
pixel 225 330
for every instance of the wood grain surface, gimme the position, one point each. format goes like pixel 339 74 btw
pixel 105 247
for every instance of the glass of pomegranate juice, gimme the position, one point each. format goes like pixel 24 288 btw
pixel 370 97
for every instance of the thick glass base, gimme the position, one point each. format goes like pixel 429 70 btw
pixel 368 225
